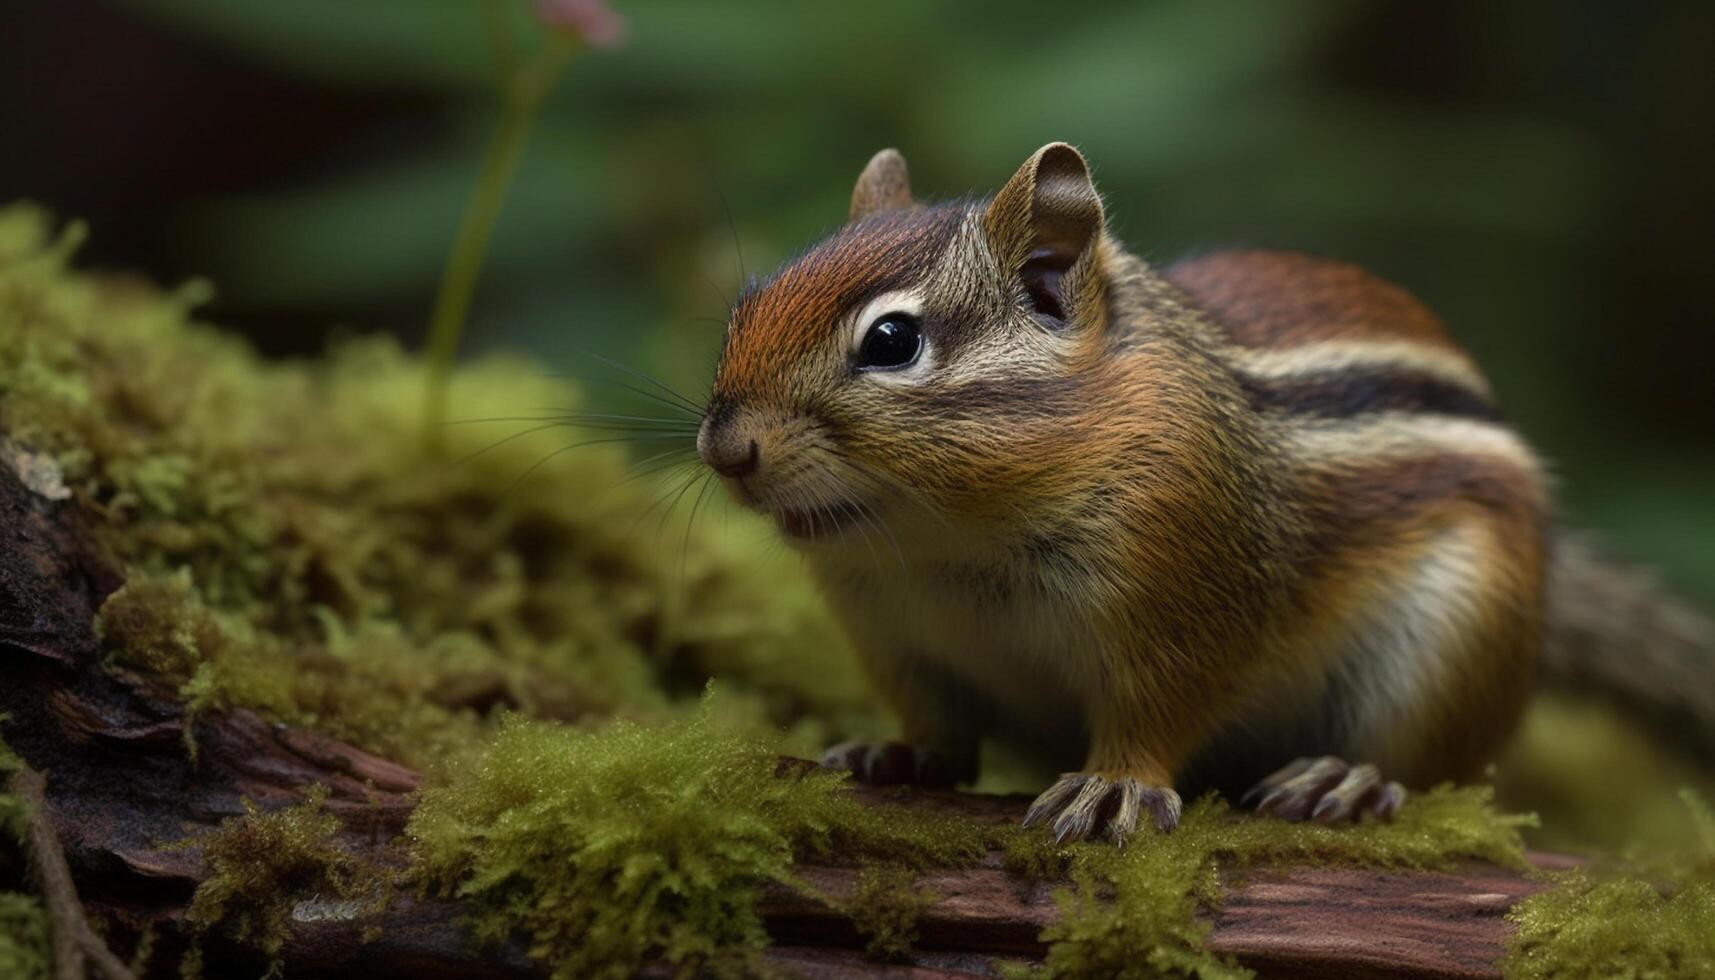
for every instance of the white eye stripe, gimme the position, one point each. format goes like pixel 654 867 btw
pixel 908 302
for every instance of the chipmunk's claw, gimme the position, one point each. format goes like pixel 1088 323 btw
pixel 891 764
pixel 1087 805
pixel 1327 790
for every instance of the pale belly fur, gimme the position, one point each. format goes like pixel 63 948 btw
pixel 1027 655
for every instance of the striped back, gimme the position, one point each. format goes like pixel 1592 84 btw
pixel 1325 339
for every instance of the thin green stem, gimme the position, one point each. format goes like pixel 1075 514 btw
pixel 502 46
pixel 522 94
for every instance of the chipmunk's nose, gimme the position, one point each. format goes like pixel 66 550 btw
pixel 728 451
pixel 738 465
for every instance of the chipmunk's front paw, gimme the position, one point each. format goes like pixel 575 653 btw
pixel 1085 805
pixel 1326 790
pixel 894 764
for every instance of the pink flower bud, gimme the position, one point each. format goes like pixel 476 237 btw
pixel 590 21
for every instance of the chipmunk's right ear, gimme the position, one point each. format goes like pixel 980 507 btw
pixel 1045 226
pixel 884 185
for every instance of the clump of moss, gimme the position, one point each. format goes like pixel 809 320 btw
pixel 382 692
pixel 23 921
pixel 1132 913
pixel 260 865
pixel 609 846
pixel 159 624
pixel 884 908
pixel 1654 920
pixel 23 937
pixel 1622 927
pixel 12 812
pixel 290 548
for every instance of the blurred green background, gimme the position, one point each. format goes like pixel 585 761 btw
pixel 1541 173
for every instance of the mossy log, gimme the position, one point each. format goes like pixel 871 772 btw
pixel 121 784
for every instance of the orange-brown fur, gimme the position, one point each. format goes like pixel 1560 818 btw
pixel 1091 520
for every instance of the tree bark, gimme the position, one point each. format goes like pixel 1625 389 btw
pixel 119 784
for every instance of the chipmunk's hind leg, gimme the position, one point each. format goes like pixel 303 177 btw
pixel 1433 672
pixel 1325 789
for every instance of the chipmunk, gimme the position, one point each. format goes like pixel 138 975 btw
pixel 1252 520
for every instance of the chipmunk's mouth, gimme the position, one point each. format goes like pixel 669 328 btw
pixel 818 522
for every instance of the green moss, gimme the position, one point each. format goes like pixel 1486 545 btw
pixel 23 937
pixel 1622 927
pixel 158 624
pixel 260 865
pixel 1132 913
pixel 608 846
pixel 884 908
pixel 1654 920
pixel 381 692
pixel 23 921
pixel 12 812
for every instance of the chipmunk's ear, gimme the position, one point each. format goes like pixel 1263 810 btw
pixel 884 185
pixel 1045 226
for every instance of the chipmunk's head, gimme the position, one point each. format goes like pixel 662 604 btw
pixel 914 363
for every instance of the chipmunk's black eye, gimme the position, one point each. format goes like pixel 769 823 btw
pixel 893 341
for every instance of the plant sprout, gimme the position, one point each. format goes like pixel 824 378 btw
pixel 523 82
